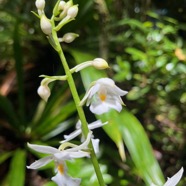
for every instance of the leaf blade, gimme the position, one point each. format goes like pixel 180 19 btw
pixel 17 168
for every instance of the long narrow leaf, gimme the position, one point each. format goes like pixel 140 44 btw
pixel 17 169
pixel 7 108
pixel 137 144
pixel 55 119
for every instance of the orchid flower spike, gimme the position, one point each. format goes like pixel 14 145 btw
pixel 59 156
pixel 78 131
pixel 103 95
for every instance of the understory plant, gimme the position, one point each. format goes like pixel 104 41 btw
pixel 102 96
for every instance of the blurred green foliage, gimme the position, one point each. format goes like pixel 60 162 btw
pixel 148 58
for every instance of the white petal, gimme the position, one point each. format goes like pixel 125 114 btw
pixel 40 163
pixel 61 156
pixel 95 143
pixel 94 90
pixel 174 179
pixel 96 124
pixel 99 107
pixel 79 154
pixel 120 91
pixel 71 135
pixel 43 148
pixel 89 94
pixel 78 125
pixel 106 81
pixel 114 105
pixel 65 180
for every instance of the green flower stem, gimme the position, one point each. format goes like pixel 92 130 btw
pixel 79 108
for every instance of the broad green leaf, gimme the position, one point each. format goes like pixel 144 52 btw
pixel 17 168
pixel 138 146
pixel 125 126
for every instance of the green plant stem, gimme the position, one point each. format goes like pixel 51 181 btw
pixel 79 108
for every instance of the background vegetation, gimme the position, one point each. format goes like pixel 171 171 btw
pixel 143 42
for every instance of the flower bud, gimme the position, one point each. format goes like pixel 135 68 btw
pixel 61 5
pixel 72 11
pixel 68 5
pixel 45 24
pixel 44 92
pixel 69 37
pixel 100 63
pixel 40 4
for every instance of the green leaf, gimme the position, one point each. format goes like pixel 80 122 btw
pixel 50 183
pixel 4 156
pixel 139 147
pixel 54 119
pixel 7 108
pixel 125 126
pixel 133 23
pixel 17 169
pixel 113 131
pixel 136 54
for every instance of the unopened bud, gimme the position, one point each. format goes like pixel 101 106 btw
pixel 40 4
pixel 100 63
pixel 72 11
pixel 61 5
pixel 69 37
pixel 45 24
pixel 44 92
pixel 68 5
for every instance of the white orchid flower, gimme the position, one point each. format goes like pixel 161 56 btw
pixel 78 131
pixel 103 95
pixel 173 181
pixel 59 156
